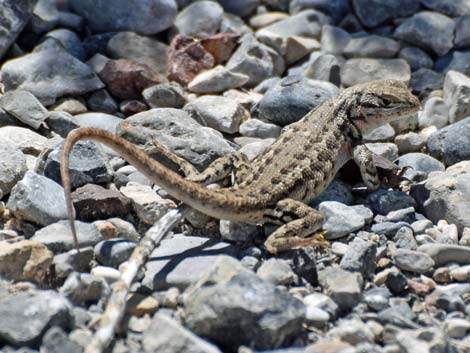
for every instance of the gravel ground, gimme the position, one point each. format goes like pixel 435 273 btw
pixel 207 78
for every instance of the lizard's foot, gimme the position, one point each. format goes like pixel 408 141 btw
pixel 277 245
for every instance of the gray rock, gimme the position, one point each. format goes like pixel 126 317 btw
pixel 165 95
pixel 13 169
pixel 142 49
pixel 360 257
pixel 389 229
pixel 319 301
pixel 426 80
pixel 291 98
pixel 218 309
pixel 15 15
pixel 421 225
pixel 324 67
pixel 413 261
pixel 216 80
pixel 58 236
pixel 88 164
pixel 102 101
pixel 454 8
pixel 45 16
pixel 165 334
pixel 446 195
pixel 444 253
pixel 377 298
pixel 382 133
pixel 412 141
pixel 416 58
pixel 455 60
pixel 452 143
pixel 217 112
pixel 339 219
pixel 456 95
pixel 364 212
pixel 234 24
pixel 435 113
pixel 371 46
pixel 337 191
pixel 363 70
pixel 428 30
pixel 57 70
pixel 143 16
pixel 334 40
pixel 40 310
pixel 255 60
pixel 383 201
pixel 37 199
pixel 344 287
pixel 462 37
pixel 70 41
pixel 403 215
pixel 276 271
pixel 234 231
pixel 352 331
pixel 457 327
pixel 179 133
pixel 208 15
pixel 72 260
pixel 258 128
pixel 387 150
pixel 24 107
pixel 55 340
pixel 181 261
pixel 83 288
pixel 240 8
pixel 100 120
pixel 419 163
pixel 113 252
pixel 375 12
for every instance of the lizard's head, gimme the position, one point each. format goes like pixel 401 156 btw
pixel 380 102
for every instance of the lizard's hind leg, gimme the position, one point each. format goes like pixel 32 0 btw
pixel 299 229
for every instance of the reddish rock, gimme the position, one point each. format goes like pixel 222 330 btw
pixel 186 58
pixel 126 78
pixel 133 106
pixel 221 45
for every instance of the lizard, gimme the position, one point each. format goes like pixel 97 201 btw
pixel 277 186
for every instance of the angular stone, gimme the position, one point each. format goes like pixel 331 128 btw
pixel 375 12
pixel 113 252
pixel 165 95
pixel 360 257
pixel 14 167
pixel 444 253
pixel 208 15
pixel 372 46
pixel 413 261
pixel 363 70
pixel 462 37
pixel 457 95
pixel 339 219
pixel 217 80
pixel 416 58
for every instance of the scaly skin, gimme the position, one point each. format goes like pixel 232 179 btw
pixel 278 184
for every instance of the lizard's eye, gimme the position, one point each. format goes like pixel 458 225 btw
pixel 386 102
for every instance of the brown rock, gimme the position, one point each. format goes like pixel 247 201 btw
pixel 139 304
pixel 186 58
pixel 25 260
pixel 95 202
pixel 133 106
pixel 221 45
pixel 126 78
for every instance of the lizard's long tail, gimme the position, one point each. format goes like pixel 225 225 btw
pixel 213 202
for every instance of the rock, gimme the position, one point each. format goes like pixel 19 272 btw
pixel 389 229
pixel 383 201
pixel 456 95
pixel 165 95
pixel 255 60
pixel 141 49
pixel 240 8
pixel 144 16
pixel 265 19
pixel 58 236
pixel 324 67
pixel 337 191
pixel 386 150
pixel 455 60
pixel 451 144
pixel 70 106
pixel 217 112
pixel 254 149
pixel 421 225
pixel 57 70
pixel 14 166
pixel 24 107
pixel 295 36
pixel 444 253
pixel 88 164
pixel 429 30
pixel 208 15
pixel 259 128
pixel 419 163
pixel 334 39
pixel 82 288
pixel 318 301
pixel 455 8
pixel 72 260
pixel 416 58
pixel 102 101
pixel 37 199
pixel 352 331
pixel 403 215
pixel 109 274
pixel 413 261
pixel 335 9
pixel 132 106
pixel 217 80
pixel 424 81
pixel 413 142
pixel 165 334
pixel 381 133
pixel 372 46
pixel 187 57
pixel 40 310
pixel 363 70
pixel 435 113
pixel 126 79
pixel 93 202
pixel 100 120
pixel 179 133
pixel 342 286
pixel 360 257
pixel 221 45
pixel 460 274
pixel 28 141
pixel 15 16
pixel 218 309
pixel 339 219
pixel 24 261
pixel 55 340
pixel 238 232
pixel 181 261
pixel 276 271
pixel 377 298
pixel 70 41
pixel 376 12
pixel 113 252
pixel 462 38
pixel 457 328
pixel 291 98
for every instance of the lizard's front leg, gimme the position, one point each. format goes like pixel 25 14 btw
pixel 364 160
pixel 300 222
